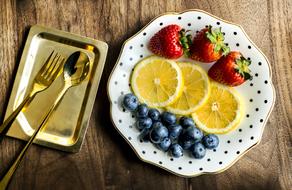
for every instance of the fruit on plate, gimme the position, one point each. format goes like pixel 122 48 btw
pixel 232 69
pixel 174 131
pixel 166 134
pixel 142 111
pixel 157 81
pixel 210 141
pixel 185 122
pixel 222 112
pixel 144 123
pixel 170 42
pixel 198 150
pixel 158 132
pixel 208 45
pixel 176 150
pixel 195 92
pixel 130 102
pixel 168 118
pixel 192 133
pixel 165 144
pixel 154 114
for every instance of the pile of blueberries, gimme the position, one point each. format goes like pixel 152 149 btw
pixel 168 134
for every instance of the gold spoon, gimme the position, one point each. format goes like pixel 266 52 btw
pixel 75 71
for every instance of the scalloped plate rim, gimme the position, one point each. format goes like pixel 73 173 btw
pixel 225 21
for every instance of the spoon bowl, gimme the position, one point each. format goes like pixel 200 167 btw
pixel 76 68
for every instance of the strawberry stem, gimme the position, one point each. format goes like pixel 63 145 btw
pixel 185 41
pixel 242 68
pixel 216 37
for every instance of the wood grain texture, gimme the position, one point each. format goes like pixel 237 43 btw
pixel 106 160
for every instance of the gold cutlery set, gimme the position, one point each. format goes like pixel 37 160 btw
pixel 71 60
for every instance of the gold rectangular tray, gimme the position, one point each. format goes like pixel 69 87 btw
pixel 66 127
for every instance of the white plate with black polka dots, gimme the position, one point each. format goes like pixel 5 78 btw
pixel 258 95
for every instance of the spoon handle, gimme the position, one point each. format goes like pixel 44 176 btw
pixel 6 179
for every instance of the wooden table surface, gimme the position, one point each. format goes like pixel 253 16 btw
pixel 106 161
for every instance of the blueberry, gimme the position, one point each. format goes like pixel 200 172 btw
pixel 130 102
pixel 198 150
pixel 142 111
pixel 158 132
pixel 186 144
pixel 174 131
pixel 144 135
pixel 176 150
pixel 165 144
pixel 186 122
pixel 144 123
pixel 210 141
pixel 193 134
pixel 168 118
pixel 154 114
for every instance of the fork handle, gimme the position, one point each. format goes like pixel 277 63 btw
pixel 6 179
pixel 7 123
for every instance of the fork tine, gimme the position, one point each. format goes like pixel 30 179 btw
pixel 55 69
pixel 47 64
pixel 52 65
pixel 58 67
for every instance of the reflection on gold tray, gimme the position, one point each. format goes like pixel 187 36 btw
pixel 66 128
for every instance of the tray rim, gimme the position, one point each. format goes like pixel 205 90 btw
pixel 218 18
pixel 101 47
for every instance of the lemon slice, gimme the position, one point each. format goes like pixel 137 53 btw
pixel 196 89
pixel 157 81
pixel 222 111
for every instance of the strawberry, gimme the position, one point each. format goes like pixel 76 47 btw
pixel 208 45
pixel 170 42
pixel 231 69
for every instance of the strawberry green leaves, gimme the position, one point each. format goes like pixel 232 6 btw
pixel 242 68
pixel 216 37
pixel 185 41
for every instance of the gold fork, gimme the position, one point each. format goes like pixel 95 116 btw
pixel 45 77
